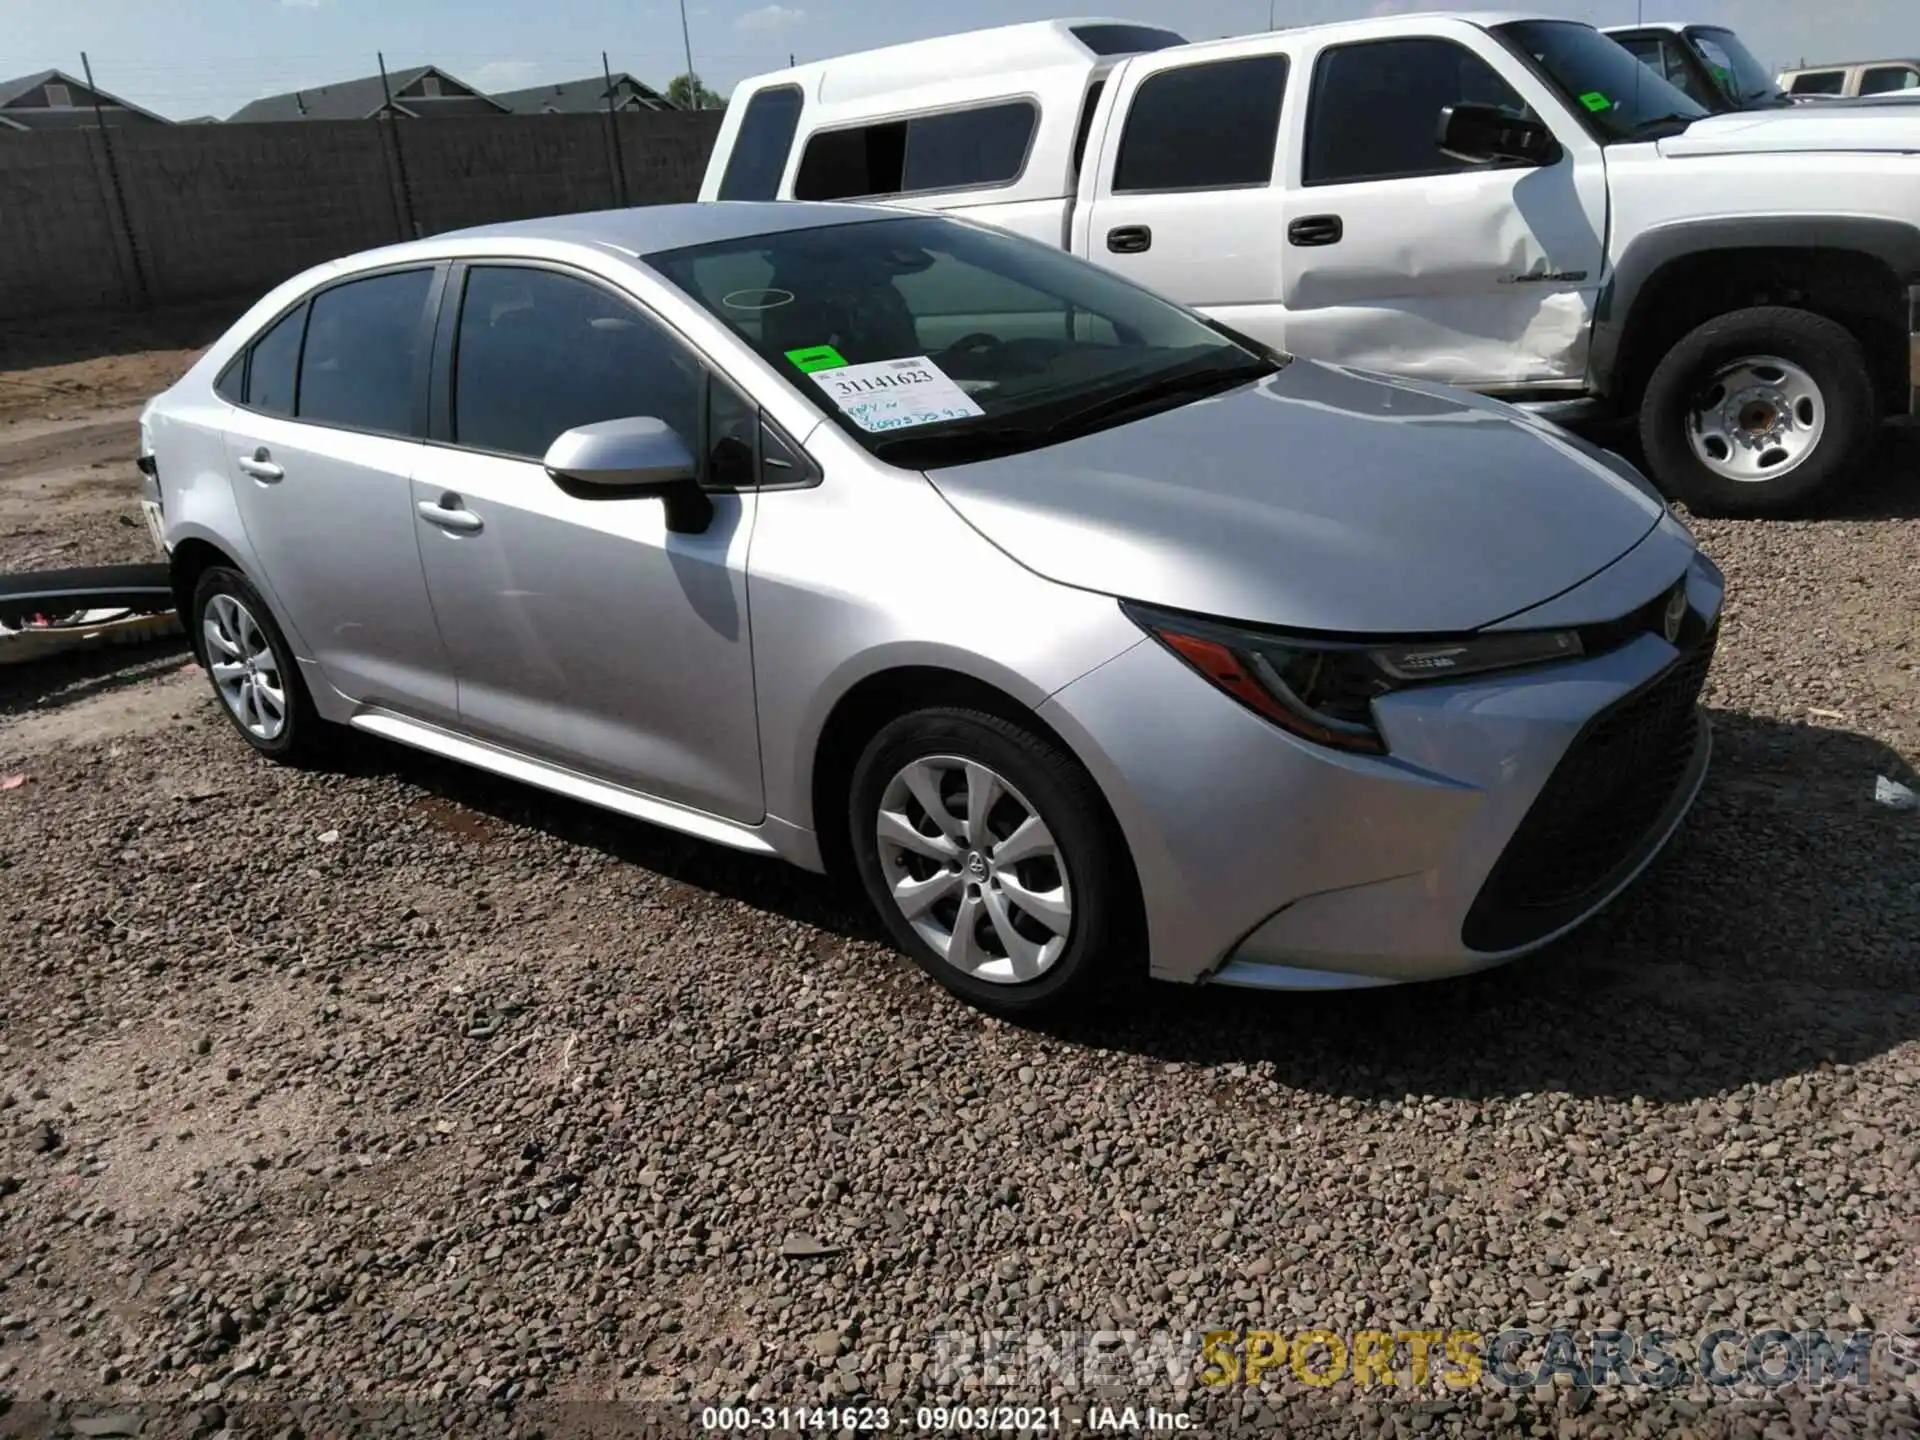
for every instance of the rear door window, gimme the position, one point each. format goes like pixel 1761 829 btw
pixel 1888 79
pixel 358 369
pixel 274 369
pixel 1203 127
pixel 1375 111
pixel 761 145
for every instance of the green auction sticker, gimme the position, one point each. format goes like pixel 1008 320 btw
pixel 816 357
pixel 1594 100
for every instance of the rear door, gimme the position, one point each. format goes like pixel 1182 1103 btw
pixel 1404 259
pixel 1184 201
pixel 321 446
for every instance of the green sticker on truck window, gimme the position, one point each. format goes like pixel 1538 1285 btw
pixel 816 357
pixel 1594 100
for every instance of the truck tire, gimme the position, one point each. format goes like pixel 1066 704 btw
pixel 1759 412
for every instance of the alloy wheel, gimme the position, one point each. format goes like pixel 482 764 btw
pixel 974 869
pixel 244 668
pixel 1757 419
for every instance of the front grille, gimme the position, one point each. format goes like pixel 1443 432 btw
pixel 1605 802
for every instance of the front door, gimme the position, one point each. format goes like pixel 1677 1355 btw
pixel 321 444
pixel 1403 259
pixel 1185 202
pixel 583 631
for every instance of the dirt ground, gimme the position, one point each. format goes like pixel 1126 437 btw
pixel 390 1082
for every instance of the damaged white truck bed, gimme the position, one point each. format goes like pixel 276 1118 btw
pixel 1513 205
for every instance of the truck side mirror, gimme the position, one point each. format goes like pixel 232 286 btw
pixel 1480 134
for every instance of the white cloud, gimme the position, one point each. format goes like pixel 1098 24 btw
pixel 498 75
pixel 770 17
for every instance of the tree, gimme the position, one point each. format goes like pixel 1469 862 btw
pixel 689 92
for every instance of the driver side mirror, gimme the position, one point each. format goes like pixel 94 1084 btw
pixel 632 458
pixel 1480 134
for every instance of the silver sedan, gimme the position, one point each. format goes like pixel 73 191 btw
pixel 1096 639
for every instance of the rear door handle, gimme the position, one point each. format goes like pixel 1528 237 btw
pixel 1316 230
pixel 261 467
pixel 1129 239
pixel 449 514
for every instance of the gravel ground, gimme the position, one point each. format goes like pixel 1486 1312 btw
pixel 391 1082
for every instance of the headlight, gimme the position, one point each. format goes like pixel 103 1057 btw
pixel 1323 690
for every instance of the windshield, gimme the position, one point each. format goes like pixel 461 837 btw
pixel 1617 96
pixel 932 342
pixel 1733 65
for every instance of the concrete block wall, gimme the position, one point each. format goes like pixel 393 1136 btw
pixel 217 211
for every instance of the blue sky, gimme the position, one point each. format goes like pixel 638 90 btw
pixel 191 57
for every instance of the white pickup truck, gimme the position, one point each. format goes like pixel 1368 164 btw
pixel 1513 205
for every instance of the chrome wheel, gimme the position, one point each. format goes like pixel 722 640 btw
pixel 974 869
pixel 1757 419
pixel 244 669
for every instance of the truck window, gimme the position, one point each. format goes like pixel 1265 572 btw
pixel 760 148
pixel 1375 110
pixel 951 150
pixel 1818 82
pixel 1203 127
pixel 1886 79
pixel 1125 39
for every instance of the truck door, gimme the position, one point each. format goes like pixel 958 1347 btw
pixel 1404 259
pixel 1183 195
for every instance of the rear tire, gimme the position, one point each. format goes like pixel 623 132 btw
pixel 255 676
pixel 1759 412
pixel 1020 821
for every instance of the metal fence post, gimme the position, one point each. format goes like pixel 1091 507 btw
pixel 142 296
pixel 613 131
pixel 399 153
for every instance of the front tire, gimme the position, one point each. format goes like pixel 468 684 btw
pixel 254 674
pixel 990 858
pixel 1759 412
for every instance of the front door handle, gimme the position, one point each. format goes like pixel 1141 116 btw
pixel 449 514
pixel 1129 239
pixel 261 467
pixel 1316 230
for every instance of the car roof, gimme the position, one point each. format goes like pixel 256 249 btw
pixel 645 229
pixel 1672 27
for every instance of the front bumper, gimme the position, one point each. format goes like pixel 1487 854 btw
pixel 1269 862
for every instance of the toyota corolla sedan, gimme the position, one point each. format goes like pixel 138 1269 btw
pixel 1096 639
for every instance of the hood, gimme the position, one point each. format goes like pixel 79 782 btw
pixel 1799 128
pixel 1317 499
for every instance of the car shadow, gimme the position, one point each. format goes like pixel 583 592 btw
pixel 1773 937
pixel 58 681
pixel 765 883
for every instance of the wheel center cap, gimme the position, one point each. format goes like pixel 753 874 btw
pixel 977 865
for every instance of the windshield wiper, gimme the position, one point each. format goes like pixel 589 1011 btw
pixel 963 441
pixel 1166 387
pixel 1639 132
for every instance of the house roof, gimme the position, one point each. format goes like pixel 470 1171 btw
pixel 570 97
pixel 27 119
pixel 362 99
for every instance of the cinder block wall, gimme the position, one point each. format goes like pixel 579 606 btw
pixel 210 212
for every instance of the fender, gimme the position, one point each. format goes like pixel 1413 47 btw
pixel 1892 241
